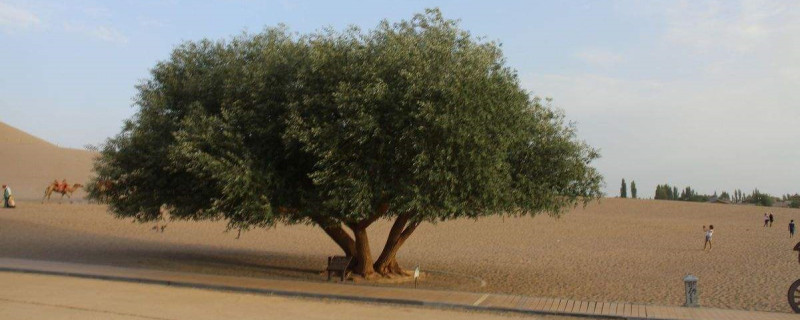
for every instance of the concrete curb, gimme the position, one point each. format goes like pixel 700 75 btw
pixel 409 302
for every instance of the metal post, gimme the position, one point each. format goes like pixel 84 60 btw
pixel 416 275
pixel 329 271
pixel 692 295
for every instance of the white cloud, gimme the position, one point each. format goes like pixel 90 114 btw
pixel 12 18
pixel 103 33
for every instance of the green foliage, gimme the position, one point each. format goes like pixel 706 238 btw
pixel 661 193
pixel 698 198
pixel 623 190
pixel 207 142
pixel 329 128
pixel 687 194
pixel 738 196
pixel 666 192
pixel 793 199
pixel 756 197
pixel 633 189
pixel 760 199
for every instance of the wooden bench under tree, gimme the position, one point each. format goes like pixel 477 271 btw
pixel 339 264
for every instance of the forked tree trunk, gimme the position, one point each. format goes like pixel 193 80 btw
pixel 357 248
pixel 383 264
pixel 401 230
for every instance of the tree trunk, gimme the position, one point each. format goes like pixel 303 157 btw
pixel 363 255
pixel 387 254
pixel 401 231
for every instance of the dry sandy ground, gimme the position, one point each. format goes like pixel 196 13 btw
pixel 26 296
pixel 617 250
pixel 30 164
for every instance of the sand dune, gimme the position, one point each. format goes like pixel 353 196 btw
pixel 616 250
pixel 30 163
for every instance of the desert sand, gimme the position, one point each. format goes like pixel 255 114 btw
pixel 615 250
pixel 30 164
pixel 27 296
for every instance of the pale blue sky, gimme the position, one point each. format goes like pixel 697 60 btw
pixel 700 93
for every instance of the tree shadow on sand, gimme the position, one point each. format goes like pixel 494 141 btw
pixel 42 242
pixel 237 263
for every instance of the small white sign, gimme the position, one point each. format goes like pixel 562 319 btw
pixel 416 272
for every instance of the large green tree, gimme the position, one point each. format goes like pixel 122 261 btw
pixel 413 122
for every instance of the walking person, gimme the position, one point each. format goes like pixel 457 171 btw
pixel 771 219
pixel 791 229
pixel 709 232
pixel 7 197
pixel 766 220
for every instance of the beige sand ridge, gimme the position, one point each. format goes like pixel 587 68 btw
pixel 30 164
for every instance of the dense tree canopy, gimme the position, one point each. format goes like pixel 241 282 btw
pixel 415 122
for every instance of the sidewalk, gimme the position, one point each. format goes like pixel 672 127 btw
pixel 350 292
pixel 28 296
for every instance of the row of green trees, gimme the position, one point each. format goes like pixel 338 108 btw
pixel 667 192
pixel 794 200
pixel 790 197
pixel 411 122
pixel 623 190
pixel 760 199
pixel 755 197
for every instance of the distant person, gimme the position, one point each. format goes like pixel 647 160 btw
pixel 766 220
pixel 63 185
pixel 709 232
pixel 771 219
pixel 791 229
pixel 7 197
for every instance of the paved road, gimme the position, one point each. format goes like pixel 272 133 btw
pixel 37 296
pixel 343 292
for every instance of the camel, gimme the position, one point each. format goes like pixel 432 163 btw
pixel 67 192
